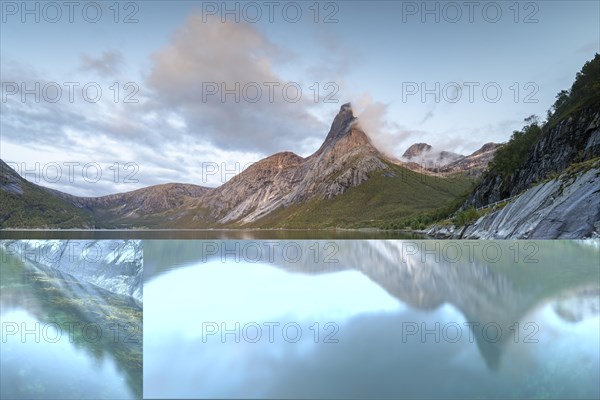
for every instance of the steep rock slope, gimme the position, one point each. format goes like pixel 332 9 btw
pixel 524 172
pixel 567 207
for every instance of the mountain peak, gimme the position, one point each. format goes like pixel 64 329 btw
pixel 416 150
pixel 346 107
pixel 342 123
pixel 491 146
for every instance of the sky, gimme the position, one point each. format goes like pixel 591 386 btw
pixel 104 97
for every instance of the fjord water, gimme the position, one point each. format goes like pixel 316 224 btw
pixel 371 319
pixel 63 338
pixel 203 234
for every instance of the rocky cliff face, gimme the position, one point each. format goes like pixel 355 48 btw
pixel 12 183
pixel 567 207
pixel 572 140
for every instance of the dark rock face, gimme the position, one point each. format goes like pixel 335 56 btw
pixel 575 139
pixel 572 140
pixel 567 207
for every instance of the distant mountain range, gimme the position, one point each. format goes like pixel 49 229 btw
pixel 326 189
pixel 424 157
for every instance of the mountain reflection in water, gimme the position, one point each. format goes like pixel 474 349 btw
pixel 538 302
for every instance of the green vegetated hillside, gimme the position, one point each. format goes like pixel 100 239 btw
pixel 386 197
pixel 585 92
pixel 26 205
pixel 35 209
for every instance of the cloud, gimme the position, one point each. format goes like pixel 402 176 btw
pixel 148 134
pixel 170 133
pixel 221 78
pixel 393 138
pixel 106 65
pixel 434 157
pixel 387 136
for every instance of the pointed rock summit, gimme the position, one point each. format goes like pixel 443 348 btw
pixel 345 135
pixel 342 123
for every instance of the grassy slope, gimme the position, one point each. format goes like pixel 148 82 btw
pixel 383 198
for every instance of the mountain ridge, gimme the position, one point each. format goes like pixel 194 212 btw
pixel 346 159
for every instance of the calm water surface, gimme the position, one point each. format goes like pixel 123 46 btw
pixel 62 338
pixel 364 319
pixel 202 234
